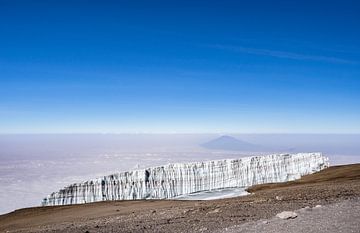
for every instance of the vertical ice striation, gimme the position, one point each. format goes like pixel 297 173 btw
pixel 183 178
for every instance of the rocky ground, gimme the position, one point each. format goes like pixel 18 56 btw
pixel 336 189
pixel 338 217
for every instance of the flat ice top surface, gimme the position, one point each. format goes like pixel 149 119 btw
pixel 214 194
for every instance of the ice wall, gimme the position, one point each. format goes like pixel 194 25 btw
pixel 183 178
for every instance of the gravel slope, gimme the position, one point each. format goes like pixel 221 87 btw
pixel 335 218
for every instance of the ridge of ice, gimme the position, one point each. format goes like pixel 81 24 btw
pixel 176 179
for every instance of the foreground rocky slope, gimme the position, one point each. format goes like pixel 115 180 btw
pixel 332 185
pixel 338 217
pixel 177 179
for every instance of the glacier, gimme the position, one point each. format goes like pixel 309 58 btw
pixel 176 179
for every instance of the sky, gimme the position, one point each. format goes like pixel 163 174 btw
pixel 179 66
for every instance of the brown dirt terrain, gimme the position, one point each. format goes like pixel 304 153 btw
pixel 331 185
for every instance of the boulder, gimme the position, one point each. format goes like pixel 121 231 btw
pixel 287 215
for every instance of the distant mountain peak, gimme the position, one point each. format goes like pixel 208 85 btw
pixel 226 142
pixel 226 137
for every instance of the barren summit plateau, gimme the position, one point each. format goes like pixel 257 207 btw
pixel 333 188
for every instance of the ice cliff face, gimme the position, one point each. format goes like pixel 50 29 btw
pixel 183 178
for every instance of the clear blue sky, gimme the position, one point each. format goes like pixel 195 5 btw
pixel 179 66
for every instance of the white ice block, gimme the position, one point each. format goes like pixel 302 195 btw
pixel 177 179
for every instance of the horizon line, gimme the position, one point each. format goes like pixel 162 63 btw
pixel 175 133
